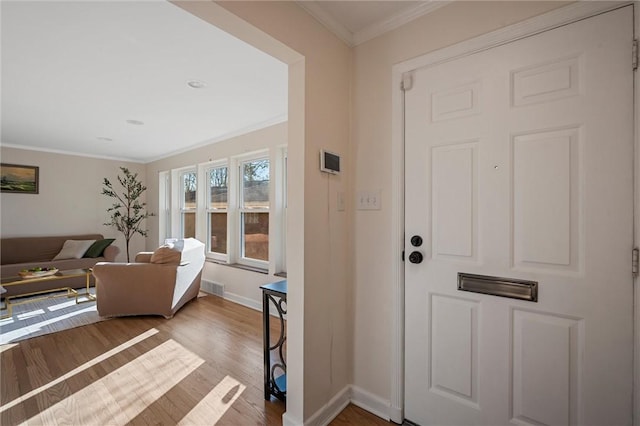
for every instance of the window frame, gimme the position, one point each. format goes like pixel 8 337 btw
pixel 208 210
pixel 183 209
pixel 242 210
pixel 164 206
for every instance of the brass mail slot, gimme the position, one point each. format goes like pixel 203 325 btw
pixel 503 287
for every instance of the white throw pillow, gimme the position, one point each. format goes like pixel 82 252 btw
pixel 74 249
pixel 174 244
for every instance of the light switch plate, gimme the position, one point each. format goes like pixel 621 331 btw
pixel 368 200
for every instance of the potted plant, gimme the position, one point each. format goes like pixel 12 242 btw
pixel 127 212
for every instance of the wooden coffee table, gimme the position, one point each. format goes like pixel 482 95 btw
pixel 9 302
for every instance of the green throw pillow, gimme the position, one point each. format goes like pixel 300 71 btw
pixel 98 247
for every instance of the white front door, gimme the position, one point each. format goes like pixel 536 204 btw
pixel 519 166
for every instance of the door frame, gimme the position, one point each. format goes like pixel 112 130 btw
pixel 556 18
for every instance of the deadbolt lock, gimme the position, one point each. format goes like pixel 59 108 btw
pixel 416 241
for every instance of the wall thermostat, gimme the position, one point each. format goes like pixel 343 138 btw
pixel 329 162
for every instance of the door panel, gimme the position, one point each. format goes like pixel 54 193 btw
pixel 519 164
pixel 454 203
pixel 545 383
pixel 545 169
pixel 454 356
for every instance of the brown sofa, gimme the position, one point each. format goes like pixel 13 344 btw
pixel 158 283
pixel 20 253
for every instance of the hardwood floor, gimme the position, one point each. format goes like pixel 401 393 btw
pixel 352 416
pixel 204 366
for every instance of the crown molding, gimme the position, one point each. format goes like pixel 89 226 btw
pixel 326 19
pixel 146 160
pixel 395 21
pixel 373 30
pixel 73 153
pixel 549 20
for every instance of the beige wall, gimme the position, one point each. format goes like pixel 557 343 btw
pixel 371 138
pixel 69 200
pixel 240 285
pixel 326 317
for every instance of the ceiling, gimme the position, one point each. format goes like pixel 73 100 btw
pixel 111 79
pixel 80 77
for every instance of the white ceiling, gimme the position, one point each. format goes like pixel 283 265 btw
pixel 74 74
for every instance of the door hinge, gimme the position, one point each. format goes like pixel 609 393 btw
pixel 635 257
pixel 407 82
pixel 634 53
pixel 403 255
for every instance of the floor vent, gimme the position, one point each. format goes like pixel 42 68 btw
pixel 212 287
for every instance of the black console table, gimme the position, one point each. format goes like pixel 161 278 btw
pixel 274 385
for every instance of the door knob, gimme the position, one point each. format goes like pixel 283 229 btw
pixel 416 241
pixel 415 257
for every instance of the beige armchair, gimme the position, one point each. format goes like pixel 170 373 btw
pixel 158 283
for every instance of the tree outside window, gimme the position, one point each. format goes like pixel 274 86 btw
pixel 189 187
pixel 217 209
pixel 255 210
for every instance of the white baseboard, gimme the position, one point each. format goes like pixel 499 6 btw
pixel 370 402
pixel 331 409
pixel 396 415
pixel 241 300
pixel 244 301
pixel 350 394
pixel 288 421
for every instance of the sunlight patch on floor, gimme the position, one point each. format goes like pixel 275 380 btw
pixel 126 392
pixel 79 369
pixel 7 346
pixel 29 329
pixel 213 406
pixel 30 314
pixel 62 305
pixel 6 321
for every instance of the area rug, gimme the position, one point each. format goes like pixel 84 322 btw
pixel 46 316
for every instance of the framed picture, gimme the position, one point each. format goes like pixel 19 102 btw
pixel 18 179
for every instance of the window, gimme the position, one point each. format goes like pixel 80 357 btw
pixel 254 210
pixel 235 205
pixel 188 185
pixel 218 178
